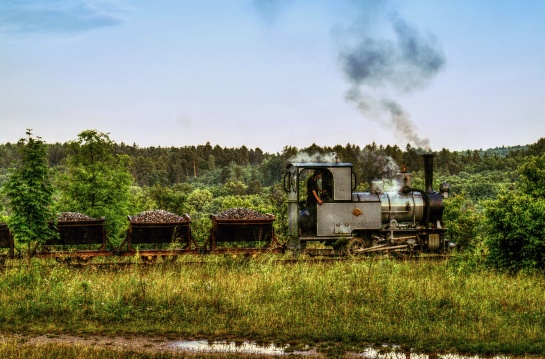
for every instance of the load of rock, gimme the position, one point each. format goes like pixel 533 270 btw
pixel 73 217
pixel 159 216
pixel 242 213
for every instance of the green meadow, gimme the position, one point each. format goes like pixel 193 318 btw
pixel 334 306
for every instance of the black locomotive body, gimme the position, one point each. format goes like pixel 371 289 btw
pixel 403 220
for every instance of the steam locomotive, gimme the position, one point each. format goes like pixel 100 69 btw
pixel 405 220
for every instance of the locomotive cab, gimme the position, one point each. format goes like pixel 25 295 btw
pixel 334 216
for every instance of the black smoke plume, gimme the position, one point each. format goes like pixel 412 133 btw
pixel 376 67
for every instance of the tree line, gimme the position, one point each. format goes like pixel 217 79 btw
pixel 168 166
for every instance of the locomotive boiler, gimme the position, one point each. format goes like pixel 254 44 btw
pixel 404 220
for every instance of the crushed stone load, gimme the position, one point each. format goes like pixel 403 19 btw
pixel 242 213
pixel 73 217
pixel 159 216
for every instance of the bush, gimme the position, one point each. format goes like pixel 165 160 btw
pixel 463 221
pixel 516 221
pixel 516 232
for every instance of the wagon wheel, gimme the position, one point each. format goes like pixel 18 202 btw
pixel 63 259
pixel 351 248
pixel 149 259
pixel 169 258
pixel 84 259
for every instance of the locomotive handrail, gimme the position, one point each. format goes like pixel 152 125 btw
pixel 286 188
pixel 354 180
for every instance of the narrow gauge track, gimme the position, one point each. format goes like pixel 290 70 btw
pixel 314 259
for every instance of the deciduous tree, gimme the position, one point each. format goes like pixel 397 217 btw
pixel 516 221
pixel 97 181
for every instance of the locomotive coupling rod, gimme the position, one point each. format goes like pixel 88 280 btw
pixel 380 248
pixel 370 249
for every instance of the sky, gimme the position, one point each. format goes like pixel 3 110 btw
pixel 267 74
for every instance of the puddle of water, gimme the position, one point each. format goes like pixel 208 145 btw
pixel 388 352
pixel 236 347
pixel 371 353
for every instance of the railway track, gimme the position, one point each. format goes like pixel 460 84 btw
pixel 315 257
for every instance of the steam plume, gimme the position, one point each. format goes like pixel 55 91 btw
pixel 375 67
pixel 378 165
pixel 305 157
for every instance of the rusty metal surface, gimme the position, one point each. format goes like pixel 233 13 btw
pixel 159 252
pixel 79 232
pixel 80 254
pixel 82 240
pixel 141 233
pixel 6 239
pixel 176 235
pixel 242 230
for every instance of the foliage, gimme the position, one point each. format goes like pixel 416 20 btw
pixel 516 222
pixel 29 192
pixel 96 181
pixel 172 199
pixel 482 185
pixel 463 221
pixel 198 199
pixel 516 235
pixel 532 176
pixel 140 200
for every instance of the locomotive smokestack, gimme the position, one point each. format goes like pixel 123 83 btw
pixel 428 171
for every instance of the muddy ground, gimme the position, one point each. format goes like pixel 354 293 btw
pixel 138 344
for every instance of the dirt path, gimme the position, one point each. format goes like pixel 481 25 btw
pixel 140 344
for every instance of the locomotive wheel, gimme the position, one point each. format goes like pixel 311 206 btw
pixel 350 249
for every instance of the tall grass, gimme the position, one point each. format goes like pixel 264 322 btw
pixel 422 305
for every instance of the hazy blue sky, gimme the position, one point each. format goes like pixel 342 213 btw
pixel 459 74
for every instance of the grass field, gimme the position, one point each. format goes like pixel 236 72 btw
pixel 333 306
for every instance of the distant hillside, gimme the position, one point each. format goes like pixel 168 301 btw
pixel 502 152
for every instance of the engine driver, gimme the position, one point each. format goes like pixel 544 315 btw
pixel 313 196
